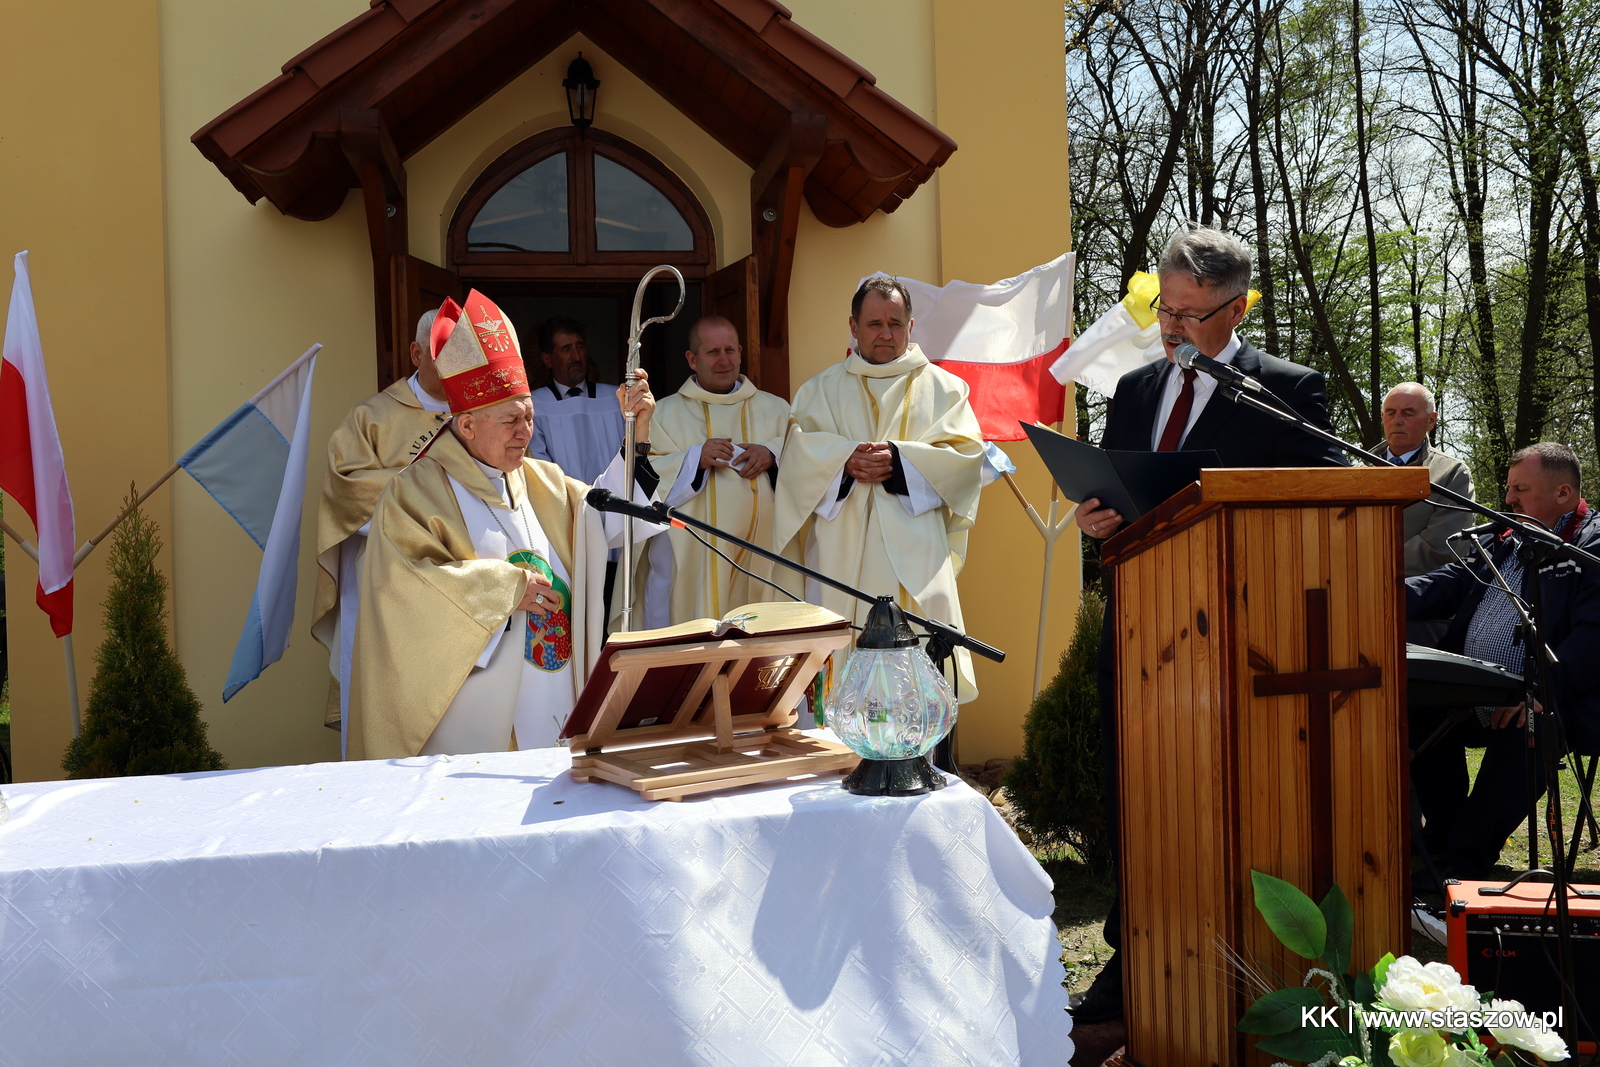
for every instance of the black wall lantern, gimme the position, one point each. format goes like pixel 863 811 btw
pixel 581 85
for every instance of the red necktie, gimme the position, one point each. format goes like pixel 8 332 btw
pixel 1179 419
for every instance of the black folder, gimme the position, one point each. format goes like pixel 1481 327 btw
pixel 1130 482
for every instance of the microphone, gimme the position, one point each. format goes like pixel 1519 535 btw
pixel 1481 528
pixel 1188 357
pixel 606 500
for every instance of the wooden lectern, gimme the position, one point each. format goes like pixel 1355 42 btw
pixel 1260 631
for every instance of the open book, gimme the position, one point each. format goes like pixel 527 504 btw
pixel 673 696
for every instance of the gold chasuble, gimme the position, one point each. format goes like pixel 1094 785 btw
pixel 871 539
pixel 683 579
pixel 429 606
pixel 377 438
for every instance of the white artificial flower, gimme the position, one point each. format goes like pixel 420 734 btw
pixel 1424 1048
pixel 1545 1044
pixel 1410 985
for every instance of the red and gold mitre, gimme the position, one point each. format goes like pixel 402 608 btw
pixel 476 352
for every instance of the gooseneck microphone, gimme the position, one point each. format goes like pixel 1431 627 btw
pixel 659 513
pixel 1483 528
pixel 606 500
pixel 1188 357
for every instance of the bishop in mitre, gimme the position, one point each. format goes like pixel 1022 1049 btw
pixel 483 584
pixel 716 444
pixel 377 438
pixel 882 469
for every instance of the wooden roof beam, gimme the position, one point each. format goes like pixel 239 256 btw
pixel 777 189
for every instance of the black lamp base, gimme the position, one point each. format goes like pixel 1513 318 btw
pixel 894 778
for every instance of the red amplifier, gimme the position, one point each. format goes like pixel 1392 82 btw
pixel 1507 944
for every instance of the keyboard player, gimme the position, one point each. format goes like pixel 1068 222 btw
pixel 1467 830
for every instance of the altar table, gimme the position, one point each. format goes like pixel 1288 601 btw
pixel 486 910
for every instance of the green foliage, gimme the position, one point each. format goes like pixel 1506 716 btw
pixel 1477 138
pixel 1054 786
pixel 1308 1044
pixel 1319 933
pixel 1341 925
pixel 1336 1016
pixel 1381 971
pixel 142 717
pixel 1291 915
pixel 1279 1011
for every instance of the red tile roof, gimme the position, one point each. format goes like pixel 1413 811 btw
pixel 739 68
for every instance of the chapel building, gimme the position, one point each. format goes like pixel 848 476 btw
pixel 207 187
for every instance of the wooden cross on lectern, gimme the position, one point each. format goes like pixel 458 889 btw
pixel 1319 683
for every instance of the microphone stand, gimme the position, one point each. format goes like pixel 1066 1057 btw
pixel 1538 545
pixel 942 637
pixel 1526 531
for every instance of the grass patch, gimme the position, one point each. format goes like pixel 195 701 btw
pixel 1083 897
pixel 1514 857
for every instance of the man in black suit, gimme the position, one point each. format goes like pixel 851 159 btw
pixel 1205 282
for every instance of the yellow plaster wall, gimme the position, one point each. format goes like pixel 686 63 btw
pixel 249 290
pixel 997 208
pixel 1003 208
pixel 893 39
pixel 439 175
pixel 80 164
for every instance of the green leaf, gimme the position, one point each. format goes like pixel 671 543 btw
pixel 1341 924
pixel 1279 1011
pixel 1291 915
pixel 1380 1048
pixel 1381 971
pixel 1309 1044
pixel 1362 990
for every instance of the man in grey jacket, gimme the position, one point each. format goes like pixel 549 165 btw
pixel 1409 415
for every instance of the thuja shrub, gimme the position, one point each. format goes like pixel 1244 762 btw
pixel 1055 785
pixel 142 717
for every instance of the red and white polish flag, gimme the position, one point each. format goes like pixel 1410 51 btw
pixel 31 468
pixel 1001 340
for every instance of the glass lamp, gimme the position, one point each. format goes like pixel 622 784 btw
pixel 891 707
pixel 581 86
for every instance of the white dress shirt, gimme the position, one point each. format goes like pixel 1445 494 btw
pixel 1204 386
pixel 428 403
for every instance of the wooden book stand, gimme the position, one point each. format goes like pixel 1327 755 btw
pixel 669 718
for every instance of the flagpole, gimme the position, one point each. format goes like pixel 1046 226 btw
pixel 1053 530
pixel 72 683
pixel 1056 530
pixel 93 542
pixel 32 552
pixel 22 542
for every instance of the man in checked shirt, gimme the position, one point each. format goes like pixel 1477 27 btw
pixel 1466 831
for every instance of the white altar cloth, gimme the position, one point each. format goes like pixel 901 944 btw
pixel 486 910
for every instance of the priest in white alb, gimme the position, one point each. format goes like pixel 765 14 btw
pixel 882 469
pixel 377 438
pixel 482 588
pixel 716 444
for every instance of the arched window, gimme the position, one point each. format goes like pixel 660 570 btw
pixel 566 224
pixel 562 199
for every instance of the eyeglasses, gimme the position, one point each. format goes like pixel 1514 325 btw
pixel 1183 316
